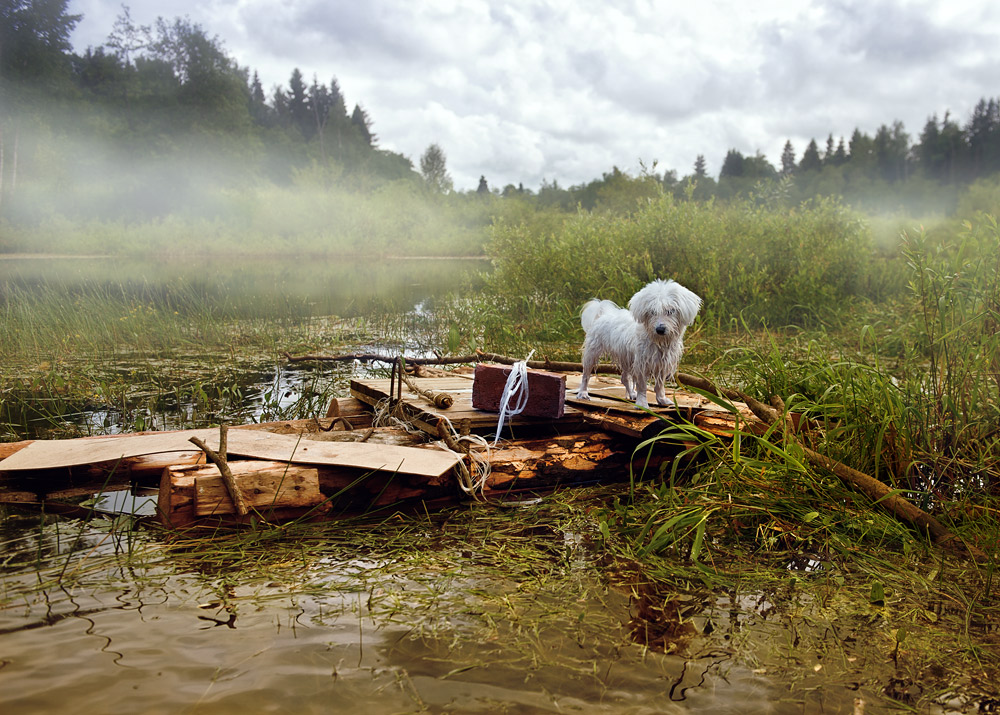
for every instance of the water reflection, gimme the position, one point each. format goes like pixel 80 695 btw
pixel 125 502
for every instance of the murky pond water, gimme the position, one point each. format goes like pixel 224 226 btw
pixel 414 616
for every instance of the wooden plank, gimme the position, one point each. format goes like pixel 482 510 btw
pixel 264 485
pixel 176 503
pixel 51 454
pixel 355 411
pixel 8 496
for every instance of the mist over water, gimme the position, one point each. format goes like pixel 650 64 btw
pixel 248 286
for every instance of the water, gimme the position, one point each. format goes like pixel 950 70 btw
pixel 457 620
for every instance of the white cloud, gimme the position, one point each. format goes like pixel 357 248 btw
pixel 564 89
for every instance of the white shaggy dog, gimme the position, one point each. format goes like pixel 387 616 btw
pixel 645 341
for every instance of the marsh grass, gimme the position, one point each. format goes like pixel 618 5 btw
pixel 90 346
pixel 750 516
pixel 99 359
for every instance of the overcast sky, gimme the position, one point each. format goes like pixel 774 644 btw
pixel 527 90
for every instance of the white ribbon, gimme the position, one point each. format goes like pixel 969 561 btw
pixel 517 382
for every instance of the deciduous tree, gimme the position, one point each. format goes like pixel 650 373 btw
pixel 434 170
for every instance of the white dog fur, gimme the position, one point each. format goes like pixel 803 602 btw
pixel 645 341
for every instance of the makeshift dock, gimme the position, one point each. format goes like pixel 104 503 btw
pixel 389 445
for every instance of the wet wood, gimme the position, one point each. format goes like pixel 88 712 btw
pixel 357 412
pixel 362 469
pixel 52 454
pixel 462 415
pixel 477 357
pixel 575 459
pixel 274 491
pixel 546 391
pixel 262 485
pixel 219 460
pixel 12 496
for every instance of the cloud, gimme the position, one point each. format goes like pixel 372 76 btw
pixel 564 90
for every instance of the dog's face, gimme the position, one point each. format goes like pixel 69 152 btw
pixel 664 308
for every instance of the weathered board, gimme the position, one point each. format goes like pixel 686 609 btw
pixel 53 454
pixel 276 491
pixel 543 393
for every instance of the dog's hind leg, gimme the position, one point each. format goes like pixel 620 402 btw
pixel 588 366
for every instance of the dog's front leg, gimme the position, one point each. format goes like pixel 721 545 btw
pixel 661 393
pixel 639 382
pixel 629 384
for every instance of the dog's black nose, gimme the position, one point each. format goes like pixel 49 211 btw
pixel 661 329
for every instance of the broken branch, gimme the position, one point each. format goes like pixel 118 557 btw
pixel 219 460
pixel 878 491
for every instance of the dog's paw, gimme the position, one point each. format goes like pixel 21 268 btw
pixel 582 395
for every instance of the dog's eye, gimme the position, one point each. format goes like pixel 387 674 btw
pixel 670 311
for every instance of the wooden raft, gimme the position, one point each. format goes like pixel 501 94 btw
pixel 295 469
pixel 281 475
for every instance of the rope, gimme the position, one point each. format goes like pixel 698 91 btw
pixel 517 383
pixel 472 478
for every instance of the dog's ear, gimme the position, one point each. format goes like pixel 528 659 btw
pixel 688 304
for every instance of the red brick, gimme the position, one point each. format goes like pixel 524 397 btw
pixel 546 391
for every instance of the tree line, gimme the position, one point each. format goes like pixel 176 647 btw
pixel 148 83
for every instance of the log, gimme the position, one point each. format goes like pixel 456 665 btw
pixel 263 484
pixel 274 491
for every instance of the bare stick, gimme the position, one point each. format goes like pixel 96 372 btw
pixel 219 460
pixel 546 364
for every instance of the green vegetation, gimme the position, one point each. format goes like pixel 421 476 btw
pixel 888 352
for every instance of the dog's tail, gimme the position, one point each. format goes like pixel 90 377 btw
pixel 594 309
